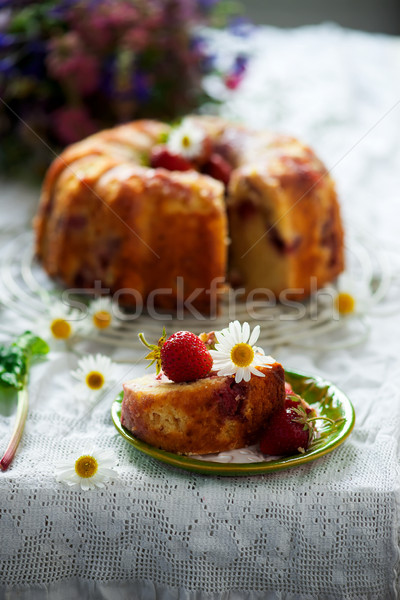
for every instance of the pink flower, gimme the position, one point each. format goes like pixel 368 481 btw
pixel 69 63
pixel 71 124
pixel 233 80
pixel 136 39
pixel 103 25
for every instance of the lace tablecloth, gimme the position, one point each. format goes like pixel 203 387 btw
pixel 325 530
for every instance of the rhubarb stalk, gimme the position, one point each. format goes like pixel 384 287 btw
pixel 14 370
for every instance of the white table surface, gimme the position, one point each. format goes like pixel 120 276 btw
pixel 326 530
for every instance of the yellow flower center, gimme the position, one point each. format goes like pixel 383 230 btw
pixel 102 319
pixel 242 355
pixel 345 303
pixel 186 141
pixel 94 380
pixel 86 466
pixel 61 329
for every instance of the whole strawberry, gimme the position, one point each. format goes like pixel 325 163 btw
pixel 161 156
pixel 288 432
pixel 182 357
pixel 293 400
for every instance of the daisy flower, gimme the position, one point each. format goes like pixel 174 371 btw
pixel 236 354
pixel 90 470
pixel 101 313
pixel 351 297
pixel 187 140
pixel 60 324
pixel 95 374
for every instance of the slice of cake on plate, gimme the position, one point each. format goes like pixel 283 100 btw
pixel 223 405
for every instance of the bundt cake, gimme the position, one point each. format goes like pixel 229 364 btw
pixel 212 414
pixel 145 209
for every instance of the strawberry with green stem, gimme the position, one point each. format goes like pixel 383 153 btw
pixel 291 429
pixel 182 357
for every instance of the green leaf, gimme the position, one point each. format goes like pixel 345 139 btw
pixel 15 359
pixel 31 344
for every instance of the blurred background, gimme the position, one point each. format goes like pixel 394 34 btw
pixel 71 67
pixel 367 15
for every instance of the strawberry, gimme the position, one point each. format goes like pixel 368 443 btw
pixel 292 400
pixel 288 431
pixel 182 357
pixel 218 168
pixel 162 157
pixel 288 388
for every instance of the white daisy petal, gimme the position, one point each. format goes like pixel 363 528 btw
pixel 256 372
pixel 226 371
pixel 102 315
pixel 353 297
pixel 246 332
pixel 215 353
pixel 239 374
pixel 238 332
pixel 95 375
pixel 236 354
pixel 224 345
pixel 59 325
pixel 66 473
pixel 106 454
pixel 230 334
pixel 255 335
pixel 258 350
pixel 263 360
pixel 221 360
pixel 186 140
pixel 89 470
pixel 247 374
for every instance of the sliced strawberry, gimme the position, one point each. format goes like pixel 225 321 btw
pixel 218 168
pixel 162 157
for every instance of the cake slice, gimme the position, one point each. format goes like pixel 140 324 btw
pixel 208 415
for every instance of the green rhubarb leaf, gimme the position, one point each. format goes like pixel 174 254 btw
pixel 15 359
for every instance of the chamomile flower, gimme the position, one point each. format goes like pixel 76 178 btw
pixel 89 470
pixel 236 354
pixel 186 140
pixel 60 324
pixel 351 297
pixel 101 314
pixel 95 374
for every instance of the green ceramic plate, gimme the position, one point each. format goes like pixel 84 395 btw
pixel 326 398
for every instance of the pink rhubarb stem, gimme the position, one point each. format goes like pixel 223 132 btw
pixel 22 411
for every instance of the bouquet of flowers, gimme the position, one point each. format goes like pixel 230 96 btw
pixel 71 67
